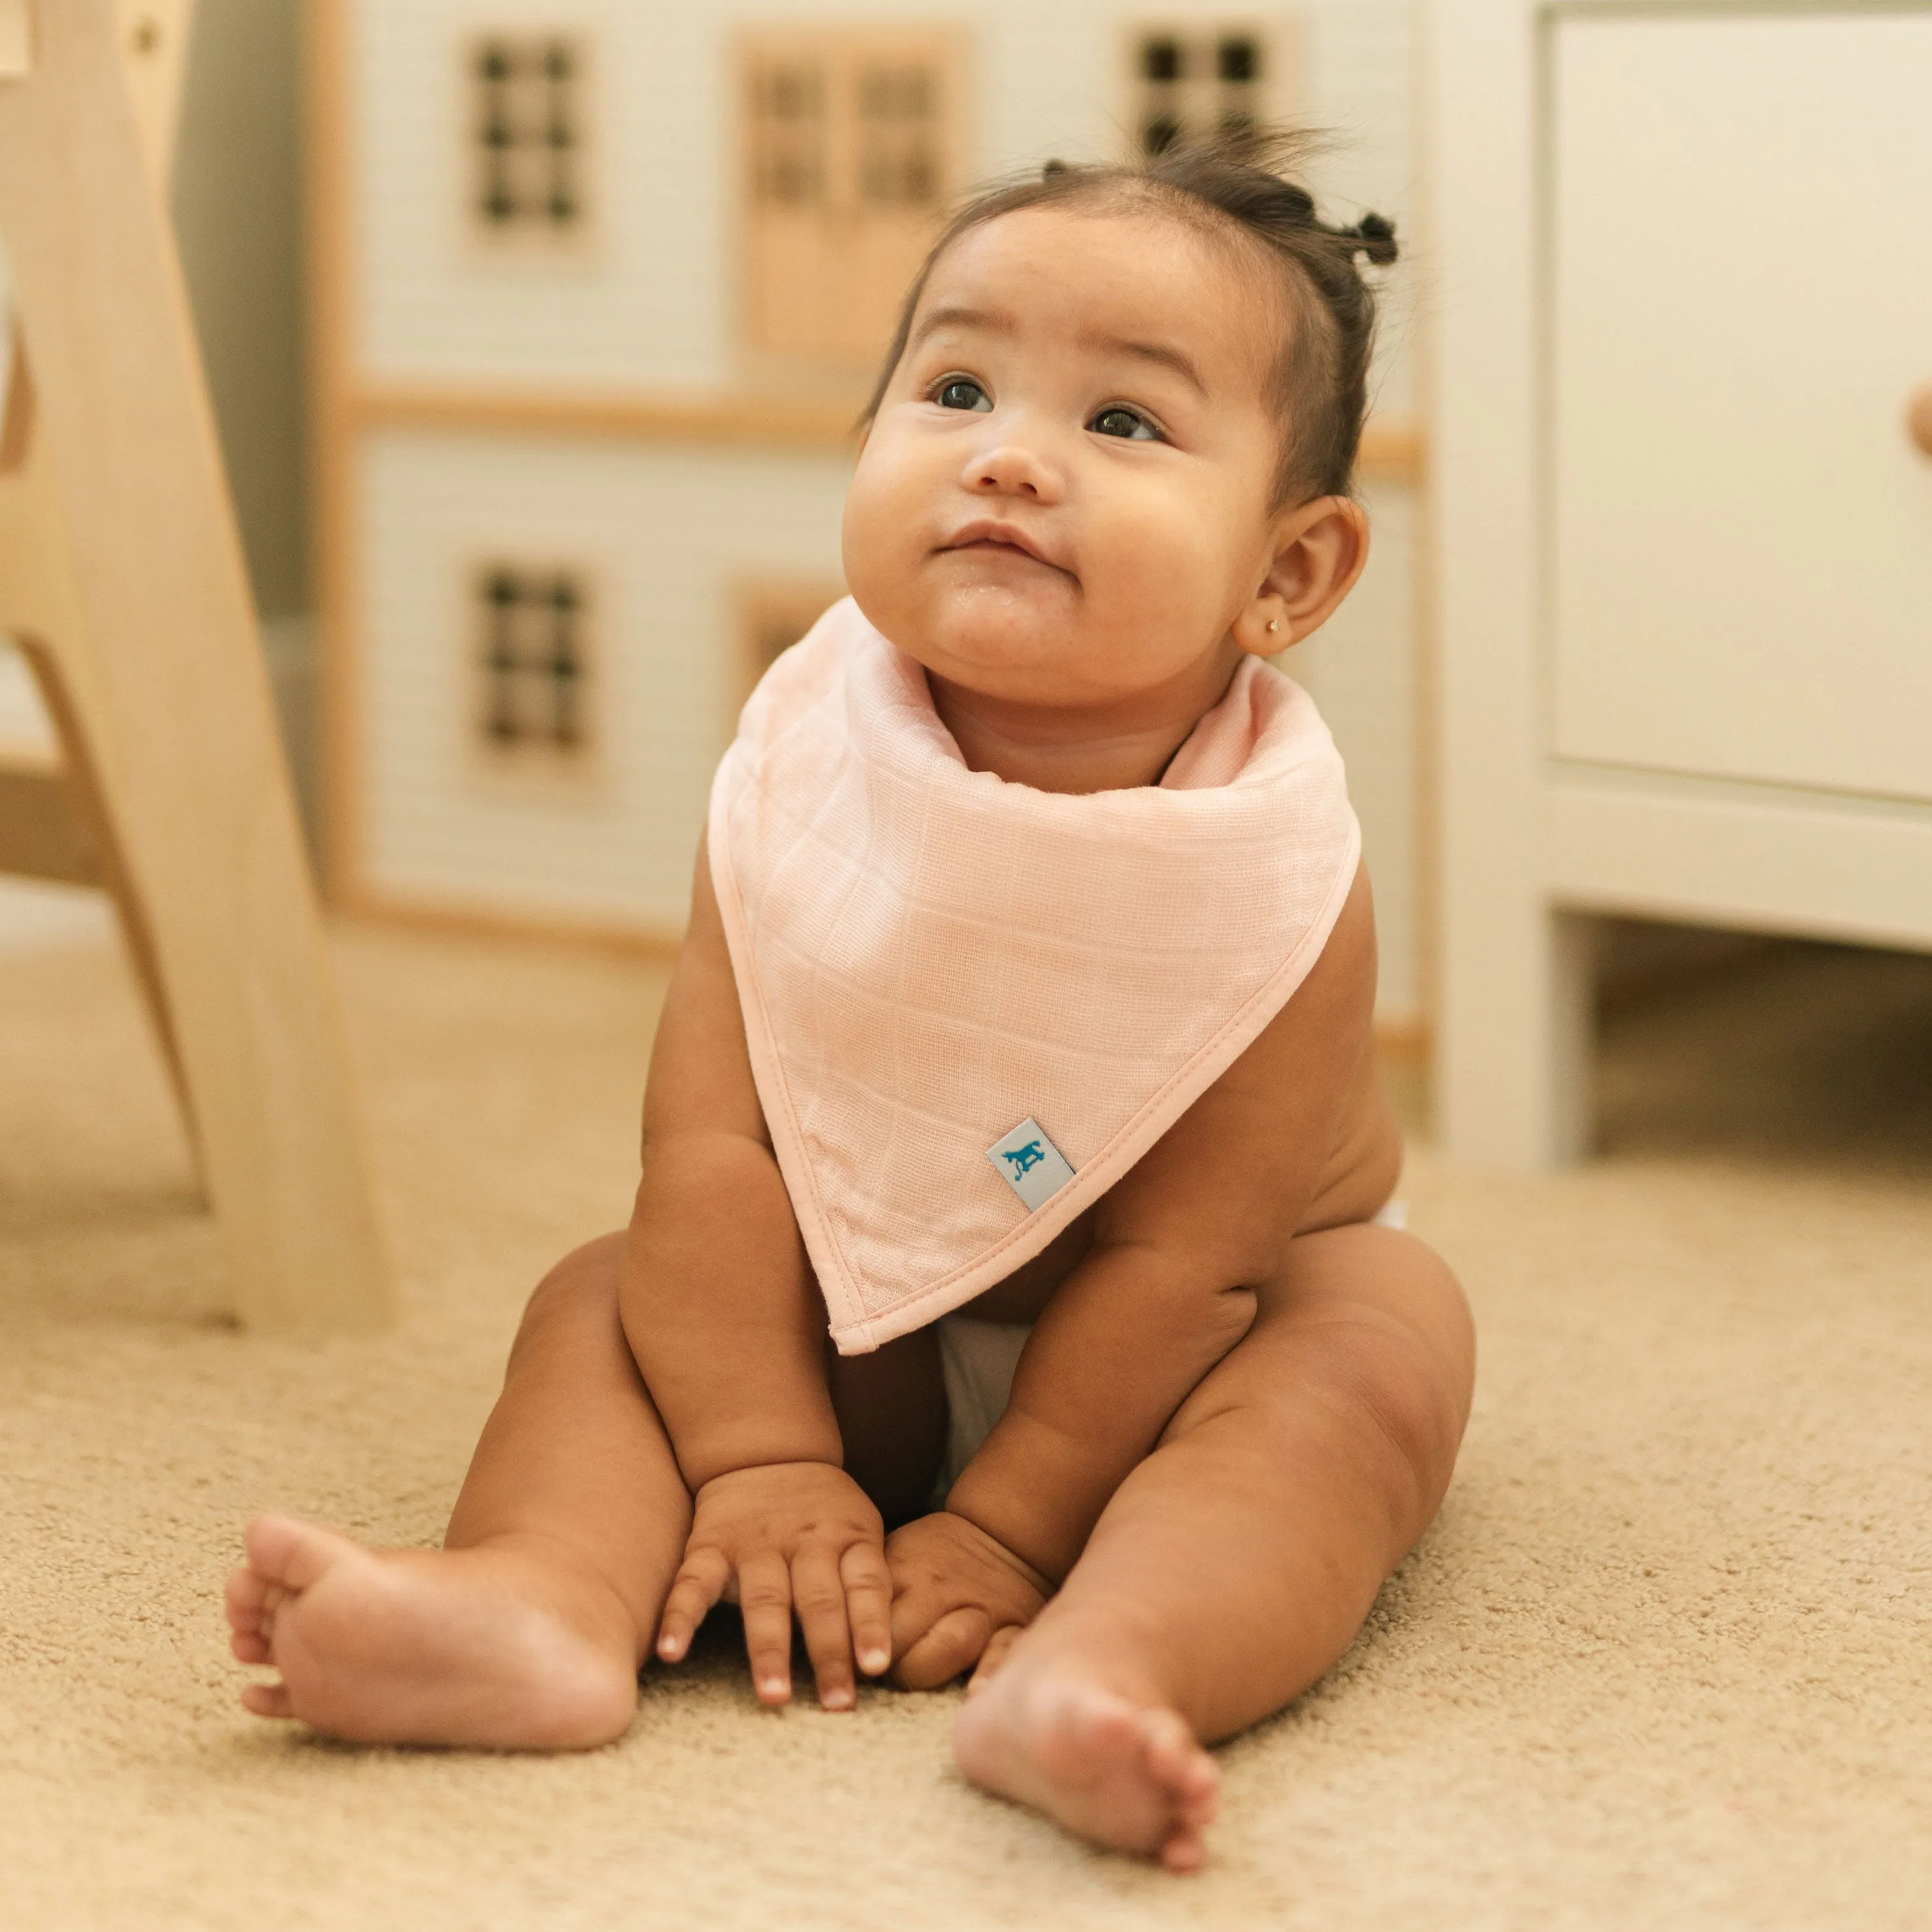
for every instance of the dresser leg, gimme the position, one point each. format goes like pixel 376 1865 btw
pixel 1573 943
pixel 1518 1034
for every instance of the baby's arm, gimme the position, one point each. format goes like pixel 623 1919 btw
pixel 1167 1289
pixel 724 1318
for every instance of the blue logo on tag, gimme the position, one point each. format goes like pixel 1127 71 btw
pixel 1034 1167
pixel 1023 1158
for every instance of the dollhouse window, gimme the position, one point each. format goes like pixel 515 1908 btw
pixel 791 134
pixel 1192 81
pixel 898 129
pixel 527 136
pixel 850 144
pixel 773 615
pixel 532 660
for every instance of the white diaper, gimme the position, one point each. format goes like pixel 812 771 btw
pixel 979 1359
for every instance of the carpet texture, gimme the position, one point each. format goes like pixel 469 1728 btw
pixel 1665 1661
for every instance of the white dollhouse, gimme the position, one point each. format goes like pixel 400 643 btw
pixel 600 285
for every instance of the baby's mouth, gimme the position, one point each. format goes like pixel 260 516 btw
pixel 992 538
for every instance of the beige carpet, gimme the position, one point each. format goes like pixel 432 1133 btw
pixel 1665 1661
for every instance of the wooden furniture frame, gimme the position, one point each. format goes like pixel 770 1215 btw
pixel 122 578
pixel 1536 847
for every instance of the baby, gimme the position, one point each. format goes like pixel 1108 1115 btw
pixel 1025 1013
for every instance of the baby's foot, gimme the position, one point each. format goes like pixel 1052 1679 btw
pixel 1124 1774
pixel 495 1646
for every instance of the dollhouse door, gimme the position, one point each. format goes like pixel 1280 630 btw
pixel 1741 311
pixel 852 154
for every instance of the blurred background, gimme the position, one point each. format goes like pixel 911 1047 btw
pixel 535 329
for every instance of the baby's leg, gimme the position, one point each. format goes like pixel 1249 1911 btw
pixel 527 1628
pixel 1238 1561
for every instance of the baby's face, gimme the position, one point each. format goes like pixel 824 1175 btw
pixel 1066 497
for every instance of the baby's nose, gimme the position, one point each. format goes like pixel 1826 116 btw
pixel 1014 470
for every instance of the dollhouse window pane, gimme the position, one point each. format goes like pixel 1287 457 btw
pixel 900 164
pixel 1192 81
pixel 790 135
pixel 527 135
pixel 1161 60
pixel 1240 60
pixel 531 658
pixel 1163 67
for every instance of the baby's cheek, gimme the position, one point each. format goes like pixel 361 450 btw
pixel 875 546
pixel 859 532
pixel 1161 576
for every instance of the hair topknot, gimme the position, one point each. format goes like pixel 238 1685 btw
pixel 1237 181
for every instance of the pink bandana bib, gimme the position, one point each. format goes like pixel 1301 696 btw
pixel 971 1006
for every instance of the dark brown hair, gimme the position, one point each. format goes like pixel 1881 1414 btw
pixel 1228 185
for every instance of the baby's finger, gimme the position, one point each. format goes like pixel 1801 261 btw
pixel 1001 1642
pixel 868 1605
pixel 953 1644
pixel 764 1597
pixel 819 1596
pixel 695 1589
pixel 915 1608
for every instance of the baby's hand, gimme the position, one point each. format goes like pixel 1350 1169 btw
pixel 789 1536
pixel 959 1598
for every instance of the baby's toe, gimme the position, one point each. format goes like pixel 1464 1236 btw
pixel 242 1597
pixel 250 1646
pixel 269 1700
pixel 1170 1744
pixel 995 1655
pixel 267 1540
pixel 1186 1851
pixel 1200 1799
pixel 1185 1772
pixel 1174 1755
pixel 292 1554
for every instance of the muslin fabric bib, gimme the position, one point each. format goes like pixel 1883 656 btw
pixel 972 1006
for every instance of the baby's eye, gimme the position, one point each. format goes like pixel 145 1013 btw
pixel 1130 423
pixel 961 392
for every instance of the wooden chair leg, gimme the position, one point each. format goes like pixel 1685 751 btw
pixel 148 626
pixel 101 863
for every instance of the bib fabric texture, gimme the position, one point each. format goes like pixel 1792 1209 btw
pixel 955 990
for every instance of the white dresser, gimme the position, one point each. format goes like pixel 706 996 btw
pixel 1683 261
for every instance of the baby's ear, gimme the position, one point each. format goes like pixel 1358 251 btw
pixel 1261 628
pixel 1320 547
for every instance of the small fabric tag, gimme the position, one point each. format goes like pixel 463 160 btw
pixel 1036 1168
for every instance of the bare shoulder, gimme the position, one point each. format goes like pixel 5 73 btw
pixel 700 1078
pixel 1255 1160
